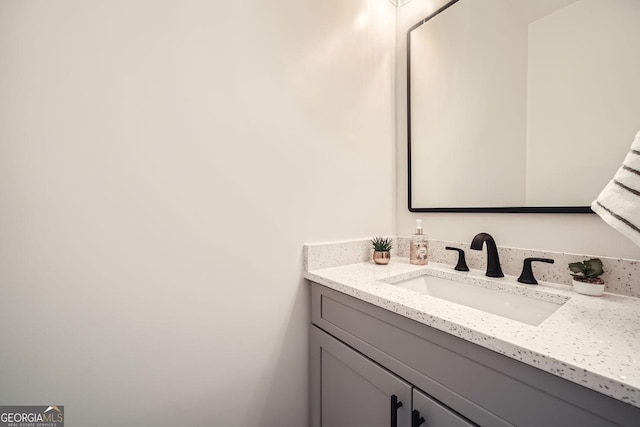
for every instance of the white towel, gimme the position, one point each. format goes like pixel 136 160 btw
pixel 619 202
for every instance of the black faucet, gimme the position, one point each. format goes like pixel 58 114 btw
pixel 493 261
pixel 527 272
pixel 462 261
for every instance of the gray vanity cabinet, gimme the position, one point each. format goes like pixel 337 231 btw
pixel 353 391
pixel 433 413
pixel 362 355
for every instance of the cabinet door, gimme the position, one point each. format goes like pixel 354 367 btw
pixel 349 390
pixel 430 413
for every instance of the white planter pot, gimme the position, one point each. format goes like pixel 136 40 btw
pixel 592 289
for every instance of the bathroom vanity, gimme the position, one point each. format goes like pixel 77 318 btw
pixel 383 355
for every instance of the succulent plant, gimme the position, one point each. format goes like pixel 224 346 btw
pixel 381 244
pixel 587 271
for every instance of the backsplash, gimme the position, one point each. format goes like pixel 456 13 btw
pixel 621 275
pixel 335 254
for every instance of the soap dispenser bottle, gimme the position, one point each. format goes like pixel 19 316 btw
pixel 418 248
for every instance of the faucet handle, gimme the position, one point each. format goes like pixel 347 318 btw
pixel 462 261
pixel 527 272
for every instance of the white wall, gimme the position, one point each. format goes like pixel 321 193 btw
pixel 575 233
pixel 161 164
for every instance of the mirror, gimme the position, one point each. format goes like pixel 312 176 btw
pixel 520 105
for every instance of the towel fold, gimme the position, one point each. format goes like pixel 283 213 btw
pixel 619 202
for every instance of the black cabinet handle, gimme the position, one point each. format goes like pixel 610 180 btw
pixel 416 419
pixel 394 410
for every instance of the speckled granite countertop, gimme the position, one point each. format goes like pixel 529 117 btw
pixel 591 341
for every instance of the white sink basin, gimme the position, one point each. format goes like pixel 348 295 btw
pixel 521 308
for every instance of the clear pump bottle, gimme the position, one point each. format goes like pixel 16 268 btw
pixel 418 249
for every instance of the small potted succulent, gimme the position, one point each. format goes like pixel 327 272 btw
pixel 586 277
pixel 381 250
